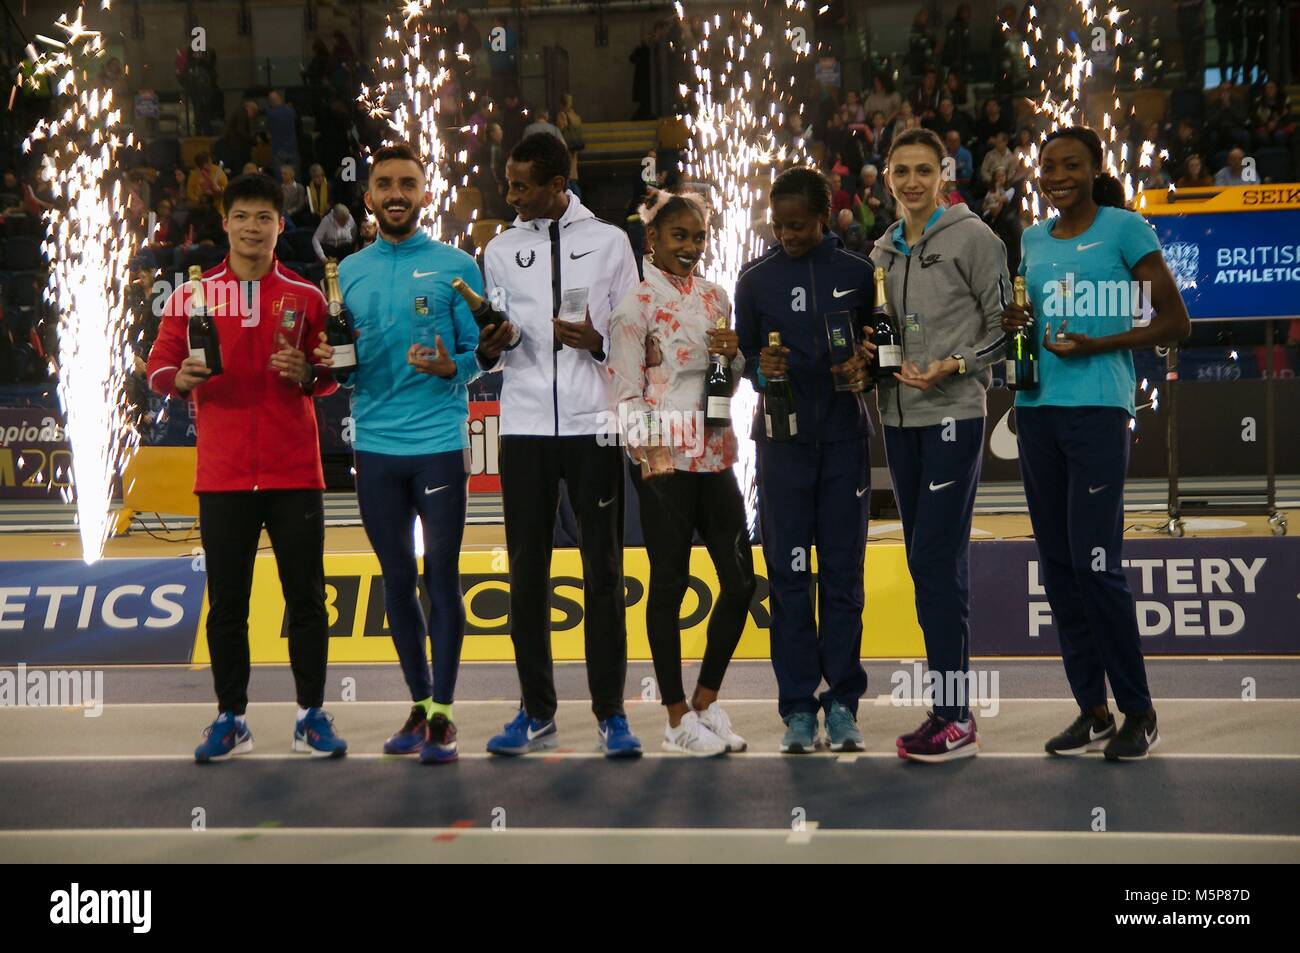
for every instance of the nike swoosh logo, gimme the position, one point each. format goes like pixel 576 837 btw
pixel 1002 443
pixel 837 293
pixel 863 491
pixel 422 274
pixel 428 490
pixel 1150 738
pixel 950 743
pixel 574 256
pixel 535 734
pixel 605 503
pixel 941 485
pixel 1094 490
pixel 1086 247
pixel 1097 736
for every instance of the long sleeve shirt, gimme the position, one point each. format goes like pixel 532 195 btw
pixel 659 361
pixel 330 232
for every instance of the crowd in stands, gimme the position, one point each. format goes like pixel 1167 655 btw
pixel 979 105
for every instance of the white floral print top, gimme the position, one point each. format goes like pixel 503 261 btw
pixel 659 360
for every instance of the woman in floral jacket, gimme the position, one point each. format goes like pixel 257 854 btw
pixel 663 336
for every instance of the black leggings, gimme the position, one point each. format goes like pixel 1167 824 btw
pixel 672 509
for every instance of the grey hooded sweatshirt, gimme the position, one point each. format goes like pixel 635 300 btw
pixel 947 298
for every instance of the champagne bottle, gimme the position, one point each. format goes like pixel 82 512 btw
pixel 889 346
pixel 718 386
pixel 485 316
pixel 778 403
pixel 202 329
pixel 338 323
pixel 1021 365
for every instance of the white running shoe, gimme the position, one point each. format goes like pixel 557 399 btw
pixel 693 738
pixel 718 722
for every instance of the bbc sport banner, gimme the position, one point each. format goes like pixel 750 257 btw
pixel 359 632
pixel 1225 596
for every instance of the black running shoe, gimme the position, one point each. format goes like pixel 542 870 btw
pixel 1086 733
pixel 1135 739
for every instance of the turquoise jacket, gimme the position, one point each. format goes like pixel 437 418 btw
pixel 401 294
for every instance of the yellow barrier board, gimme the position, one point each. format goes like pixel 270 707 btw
pixel 1220 198
pixel 359 633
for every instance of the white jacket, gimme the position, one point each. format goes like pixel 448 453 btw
pixel 527 268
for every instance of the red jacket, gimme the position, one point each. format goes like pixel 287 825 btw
pixel 256 430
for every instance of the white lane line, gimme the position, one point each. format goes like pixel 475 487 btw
pixel 880 701
pixel 802 834
pixel 557 756
pixel 823 833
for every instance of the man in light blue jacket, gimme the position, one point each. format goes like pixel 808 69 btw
pixel 415 355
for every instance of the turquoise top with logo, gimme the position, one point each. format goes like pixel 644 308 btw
pixel 1087 282
pixel 400 294
pixel 901 243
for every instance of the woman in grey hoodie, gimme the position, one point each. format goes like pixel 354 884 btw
pixel 946 283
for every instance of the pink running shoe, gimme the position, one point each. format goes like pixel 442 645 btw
pixel 903 740
pixel 940 740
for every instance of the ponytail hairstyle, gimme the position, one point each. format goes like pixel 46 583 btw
pixel 1106 189
pixel 805 182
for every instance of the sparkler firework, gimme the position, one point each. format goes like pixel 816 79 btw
pixel 734 153
pixel 1078 79
pixel 88 244
pixel 415 72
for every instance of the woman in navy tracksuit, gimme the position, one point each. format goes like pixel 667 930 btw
pixel 815 488
pixel 1074 428
pixel 946 280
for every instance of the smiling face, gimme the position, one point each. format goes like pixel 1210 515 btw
pixel 796 226
pixel 678 241
pixel 1066 174
pixel 253 225
pixel 915 178
pixel 396 196
pixel 529 198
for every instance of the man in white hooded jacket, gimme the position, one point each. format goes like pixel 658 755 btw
pixel 556 424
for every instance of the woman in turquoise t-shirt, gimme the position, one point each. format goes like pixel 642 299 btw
pixel 1088 271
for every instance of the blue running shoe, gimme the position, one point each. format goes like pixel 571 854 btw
pixel 223 739
pixel 842 733
pixel 440 742
pixel 410 737
pixel 523 735
pixel 617 740
pixel 801 735
pixel 314 735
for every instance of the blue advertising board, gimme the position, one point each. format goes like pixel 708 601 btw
pixel 64 612
pixel 1234 265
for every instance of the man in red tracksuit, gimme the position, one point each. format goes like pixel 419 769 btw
pixel 258 460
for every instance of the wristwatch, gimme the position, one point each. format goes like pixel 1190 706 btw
pixel 961 363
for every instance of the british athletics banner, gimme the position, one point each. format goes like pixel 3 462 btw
pixel 1234 251
pixel 63 612
pixel 1234 265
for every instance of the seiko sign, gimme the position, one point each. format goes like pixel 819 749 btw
pixel 1281 195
